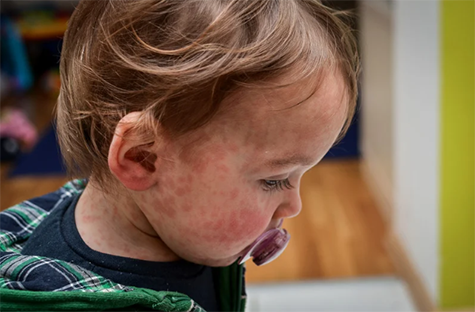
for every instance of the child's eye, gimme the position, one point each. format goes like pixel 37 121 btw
pixel 276 185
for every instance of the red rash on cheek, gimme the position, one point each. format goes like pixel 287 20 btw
pixel 200 167
pixel 222 168
pixel 167 206
pixel 212 225
pixel 181 191
pixel 171 184
pixel 217 156
pixel 233 226
pixel 234 194
pixel 184 187
pixel 186 207
pixel 233 148
pixel 188 179
pixel 244 222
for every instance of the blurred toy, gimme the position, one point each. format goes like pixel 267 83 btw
pixel 14 124
pixel 9 149
pixel 4 85
pixel 42 30
pixel 14 59
pixel 50 82
pixel 42 24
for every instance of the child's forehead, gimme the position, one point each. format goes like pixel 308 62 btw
pixel 263 115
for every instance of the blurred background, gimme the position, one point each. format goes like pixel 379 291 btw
pixel 388 216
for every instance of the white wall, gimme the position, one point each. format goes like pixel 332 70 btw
pixel 416 134
pixel 400 123
pixel 377 107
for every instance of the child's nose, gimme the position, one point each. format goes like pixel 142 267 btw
pixel 290 207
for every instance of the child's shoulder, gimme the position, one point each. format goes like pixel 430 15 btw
pixel 19 221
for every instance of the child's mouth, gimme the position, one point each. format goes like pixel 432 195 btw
pixel 267 247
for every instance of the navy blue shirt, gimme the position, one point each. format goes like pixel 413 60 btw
pixel 57 237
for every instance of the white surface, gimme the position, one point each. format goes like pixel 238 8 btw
pixel 377 103
pixel 416 134
pixel 375 294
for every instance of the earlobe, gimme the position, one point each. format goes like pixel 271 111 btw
pixel 132 162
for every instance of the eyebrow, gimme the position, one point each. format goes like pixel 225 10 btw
pixel 290 160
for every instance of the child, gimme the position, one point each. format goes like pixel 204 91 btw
pixel 193 122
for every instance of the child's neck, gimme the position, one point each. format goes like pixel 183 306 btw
pixel 115 225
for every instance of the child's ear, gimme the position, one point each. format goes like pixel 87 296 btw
pixel 132 162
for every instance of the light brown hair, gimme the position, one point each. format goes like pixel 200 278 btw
pixel 175 61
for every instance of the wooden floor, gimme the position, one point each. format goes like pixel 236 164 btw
pixel 339 233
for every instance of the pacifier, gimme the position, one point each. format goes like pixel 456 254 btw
pixel 267 247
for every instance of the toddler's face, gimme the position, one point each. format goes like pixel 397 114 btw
pixel 222 186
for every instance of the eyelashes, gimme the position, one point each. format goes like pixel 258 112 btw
pixel 277 185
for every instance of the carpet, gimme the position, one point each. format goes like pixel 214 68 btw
pixel 44 160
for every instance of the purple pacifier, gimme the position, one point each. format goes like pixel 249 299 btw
pixel 267 247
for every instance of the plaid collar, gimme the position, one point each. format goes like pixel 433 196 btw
pixel 51 284
pixel 27 272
